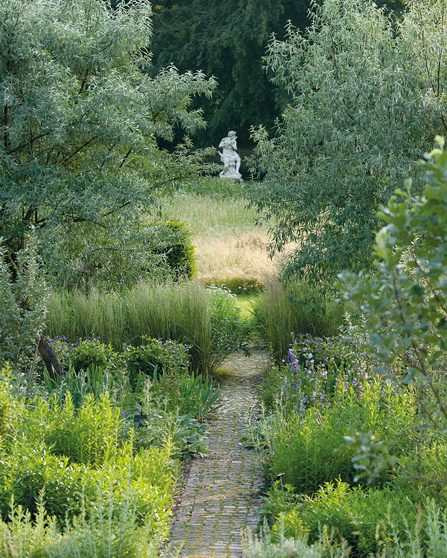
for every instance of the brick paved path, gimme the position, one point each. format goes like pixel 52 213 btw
pixel 222 490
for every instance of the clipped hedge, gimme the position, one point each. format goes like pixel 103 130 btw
pixel 175 244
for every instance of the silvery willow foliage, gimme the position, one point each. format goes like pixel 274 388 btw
pixel 405 302
pixel 367 94
pixel 80 118
pixel 23 305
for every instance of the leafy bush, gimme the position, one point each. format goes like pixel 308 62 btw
pixel 360 517
pixel 23 304
pixel 333 162
pixel 88 435
pixel 155 357
pixel 294 308
pixel 82 464
pixel 88 353
pixel 310 450
pixel 174 243
pixel 66 488
pixel 99 534
pixel 105 256
pixel 404 302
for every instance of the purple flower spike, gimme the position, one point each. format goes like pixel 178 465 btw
pixel 293 360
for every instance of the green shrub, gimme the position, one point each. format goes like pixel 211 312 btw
pixel 425 468
pixel 87 435
pixel 360 517
pixel 174 243
pixel 65 488
pixel 88 353
pixel 287 310
pixel 109 496
pixel 155 357
pixel 23 305
pixel 310 450
pixel 104 257
pixel 404 302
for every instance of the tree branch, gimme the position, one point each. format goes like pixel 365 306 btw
pixel 83 146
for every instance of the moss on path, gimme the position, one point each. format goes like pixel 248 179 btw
pixel 222 490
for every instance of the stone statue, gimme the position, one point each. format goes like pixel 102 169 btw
pixel 230 158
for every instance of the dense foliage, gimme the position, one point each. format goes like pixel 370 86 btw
pixel 228 40
pixel 404 303
pixel 355 425
pixel 367 95
pixel 205 319
pixel 23 305
pixel 89 459
pixel 80 122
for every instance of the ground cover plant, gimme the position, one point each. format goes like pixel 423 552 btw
pixel 316 406
pixel 69 467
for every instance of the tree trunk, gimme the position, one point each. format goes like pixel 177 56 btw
pixel 49 357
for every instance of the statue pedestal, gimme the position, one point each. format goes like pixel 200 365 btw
pixel 236 176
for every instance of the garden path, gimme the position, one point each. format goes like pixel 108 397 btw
pixel 221 493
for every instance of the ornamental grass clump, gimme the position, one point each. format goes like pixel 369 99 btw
pixel 206 320
pixel 296 308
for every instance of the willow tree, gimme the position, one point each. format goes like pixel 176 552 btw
pixel 80 123
pixel 367 96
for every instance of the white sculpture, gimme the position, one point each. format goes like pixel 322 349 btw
pixel 230 158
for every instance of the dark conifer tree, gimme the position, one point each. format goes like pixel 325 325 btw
pixel 227 39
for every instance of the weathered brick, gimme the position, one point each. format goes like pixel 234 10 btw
pixel 222 491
